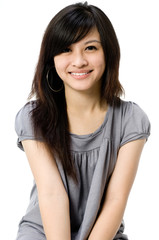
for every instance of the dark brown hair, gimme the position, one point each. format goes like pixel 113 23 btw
pixel 49 116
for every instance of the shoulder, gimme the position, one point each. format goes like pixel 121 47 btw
pixel 135 123
pixel 23 122
pixel 23 117
pixel 26 109
pixel 130 109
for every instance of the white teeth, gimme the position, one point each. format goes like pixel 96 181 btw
pixel 79 74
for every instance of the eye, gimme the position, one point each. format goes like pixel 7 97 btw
pixel 66 50
pixel 91 48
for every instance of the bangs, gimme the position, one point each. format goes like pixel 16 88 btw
pixel 71 28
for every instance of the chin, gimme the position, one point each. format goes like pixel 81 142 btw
pixel 82 88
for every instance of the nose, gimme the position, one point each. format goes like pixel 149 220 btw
pixel 79 60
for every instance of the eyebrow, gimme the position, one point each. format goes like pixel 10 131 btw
pixel 91 41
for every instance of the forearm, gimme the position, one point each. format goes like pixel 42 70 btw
pixel 118 191
pixel 55 217
pixel 108 221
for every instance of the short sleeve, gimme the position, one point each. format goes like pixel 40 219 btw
pixel 24 126
pixel 135 123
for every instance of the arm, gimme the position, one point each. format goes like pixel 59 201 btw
pixel 53 199
pixel 117 193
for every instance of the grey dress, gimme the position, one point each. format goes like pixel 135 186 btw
pixel 94 157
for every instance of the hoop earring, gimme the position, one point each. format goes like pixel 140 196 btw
pixel 47 78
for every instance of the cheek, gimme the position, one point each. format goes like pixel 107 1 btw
pixel 99 62
pixel 60 66
pixel 100 66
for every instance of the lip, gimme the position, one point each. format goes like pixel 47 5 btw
pixel 80 74
pixel 81 71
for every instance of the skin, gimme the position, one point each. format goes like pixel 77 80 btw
pixel 85 56
pixel 82 91
pixel 83 105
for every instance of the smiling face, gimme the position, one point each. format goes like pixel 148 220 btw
pixel 82 64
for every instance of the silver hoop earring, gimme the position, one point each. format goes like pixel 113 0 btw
pixel 47 78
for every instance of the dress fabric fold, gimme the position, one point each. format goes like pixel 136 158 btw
pixel 94 156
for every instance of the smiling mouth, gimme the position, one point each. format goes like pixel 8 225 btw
pixel 80 73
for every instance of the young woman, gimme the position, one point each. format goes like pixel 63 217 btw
pixel 83 143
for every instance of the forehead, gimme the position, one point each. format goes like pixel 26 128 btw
pixel 92 36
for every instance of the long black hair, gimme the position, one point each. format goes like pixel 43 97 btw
pixel 49 116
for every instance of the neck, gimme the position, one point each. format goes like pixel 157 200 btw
pixel 79 102
pixel 86 112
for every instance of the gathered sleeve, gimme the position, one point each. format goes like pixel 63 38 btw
pixel 24 125
pixel 135 123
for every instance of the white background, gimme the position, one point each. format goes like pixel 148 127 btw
pixel 22 24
